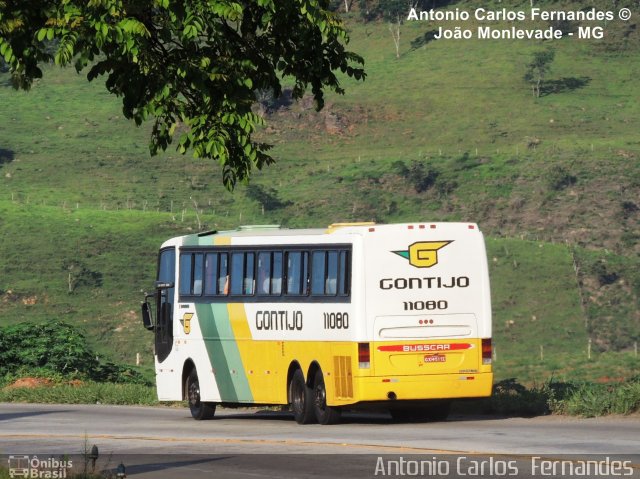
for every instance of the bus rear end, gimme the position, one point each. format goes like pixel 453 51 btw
pixel 428 315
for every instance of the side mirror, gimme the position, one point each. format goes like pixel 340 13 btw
pixel 147 319
pixel 164 285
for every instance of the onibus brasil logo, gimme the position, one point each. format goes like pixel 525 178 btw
pixel 423 254
pixel 32 467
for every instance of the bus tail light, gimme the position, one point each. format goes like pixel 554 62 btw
pixel 486 351
pixel 364 356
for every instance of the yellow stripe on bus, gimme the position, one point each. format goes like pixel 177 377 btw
pixel 222 240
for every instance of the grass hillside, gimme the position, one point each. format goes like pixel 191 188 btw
pixel 448 131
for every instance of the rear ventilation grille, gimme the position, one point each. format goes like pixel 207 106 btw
pixel 343 376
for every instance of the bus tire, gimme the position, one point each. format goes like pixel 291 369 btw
pixel 324 414
pixel 199 410
pixel 301 399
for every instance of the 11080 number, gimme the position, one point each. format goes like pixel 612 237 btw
pixel 425 305
pixel 336 320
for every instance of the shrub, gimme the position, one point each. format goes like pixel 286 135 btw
pixel 56 346
pixel 560 178
pixel 420 177
pixel 591 400
pixel 511 398
pixel 56 349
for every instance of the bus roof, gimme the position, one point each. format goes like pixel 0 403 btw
pixel 343 228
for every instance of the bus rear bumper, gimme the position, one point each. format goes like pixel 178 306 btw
pixel 436 386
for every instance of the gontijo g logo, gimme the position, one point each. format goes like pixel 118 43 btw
pixel 423 254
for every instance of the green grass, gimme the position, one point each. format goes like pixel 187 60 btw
pixel 87 393
pixel 527 308
pixel 79 193
pixel 560 397
pixel 110 254
pixel 529 369
pixel 510 398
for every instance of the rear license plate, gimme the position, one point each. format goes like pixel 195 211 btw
pixel 435 358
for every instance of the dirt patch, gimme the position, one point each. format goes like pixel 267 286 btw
pixel 11 297
pixel 609 380
pixel 30 383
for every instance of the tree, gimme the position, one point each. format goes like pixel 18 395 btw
pixel 394 12
pixel 395 22
pixel 538 68
pixel 192 66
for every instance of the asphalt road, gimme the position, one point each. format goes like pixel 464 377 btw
pixel 166 442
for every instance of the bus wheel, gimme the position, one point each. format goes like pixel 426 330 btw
pixel 199 410
pixel 324 414
pixel 301 399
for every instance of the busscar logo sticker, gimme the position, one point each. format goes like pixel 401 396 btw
pixel 423 254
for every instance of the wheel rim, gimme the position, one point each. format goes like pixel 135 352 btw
pixel 194 394
pixel 321 397
pixel 298 397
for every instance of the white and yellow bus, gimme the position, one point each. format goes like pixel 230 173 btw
pixel 397 316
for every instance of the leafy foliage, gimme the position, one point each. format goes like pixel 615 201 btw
pixel 559 397
pixel 192 66
pixel 395 10
pixel 593 400
pixel 560 178
pixel 85 393
pixel 538 68
pixel 80 275
pixel 510 397
pixel 593 134
pixel 421 177
pixel 56 348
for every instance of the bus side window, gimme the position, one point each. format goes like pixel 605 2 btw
pixel 186 271
pixel 223 274
pixel 297 272
pixel 196 289
pixel 318 272
pixel 276 278
pixel 249 274
pixel 344 275
pixel 237 273
pixel 210 273
pixel 264 272
pixel 191 271
pixel 331 286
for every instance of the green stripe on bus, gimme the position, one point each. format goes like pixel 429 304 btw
pixel 193 240
pixel 223 352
